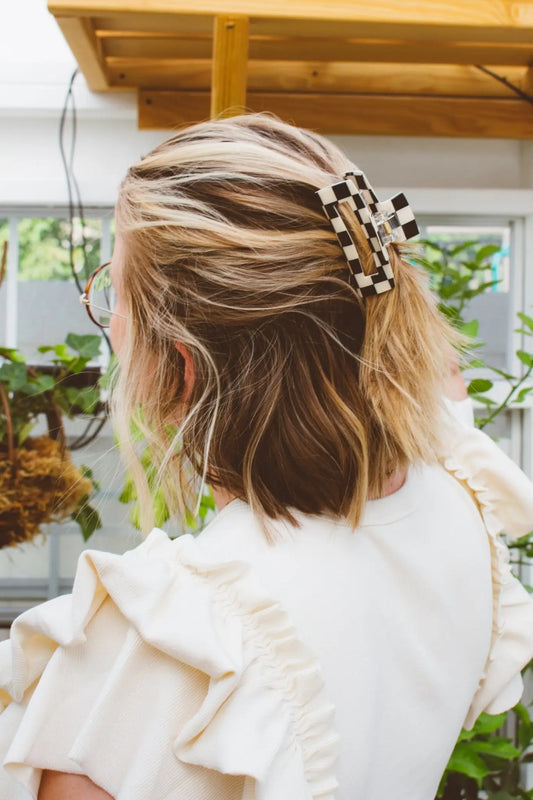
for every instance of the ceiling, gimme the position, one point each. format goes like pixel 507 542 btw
pixel 386 67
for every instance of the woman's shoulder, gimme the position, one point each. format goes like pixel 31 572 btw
pixel 165 667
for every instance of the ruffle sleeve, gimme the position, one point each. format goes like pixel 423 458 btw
pixel 504 496
pixel 164 675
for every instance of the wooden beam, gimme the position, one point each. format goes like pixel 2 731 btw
pixel 230 61
pixel 451 13
pixel 135 44
pixel 357 114
pixel 315 76
pixel 86 50
pixel 285 28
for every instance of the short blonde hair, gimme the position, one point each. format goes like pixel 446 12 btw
pixel 305 397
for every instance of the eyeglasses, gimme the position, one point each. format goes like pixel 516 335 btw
pixel 99 297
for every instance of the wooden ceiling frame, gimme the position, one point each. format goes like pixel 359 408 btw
pixel 389 67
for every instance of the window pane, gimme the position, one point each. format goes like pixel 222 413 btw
pixel 493 308
pixel 48 297
pixel 44 248
pixel 449 237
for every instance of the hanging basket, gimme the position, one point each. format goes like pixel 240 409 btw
pixel 38 481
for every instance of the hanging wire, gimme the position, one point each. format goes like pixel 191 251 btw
pixel 506 82
pixel 76 209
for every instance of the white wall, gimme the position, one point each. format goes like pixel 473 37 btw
pixel 35 68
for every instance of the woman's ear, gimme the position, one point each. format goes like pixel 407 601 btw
pixel 188 377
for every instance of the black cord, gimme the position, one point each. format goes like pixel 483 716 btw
pixel 516 89
pixel 76 208
pixel 67 166
pixel 87 437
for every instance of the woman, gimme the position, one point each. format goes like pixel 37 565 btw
pixel 350 607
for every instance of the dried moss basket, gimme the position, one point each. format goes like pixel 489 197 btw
pixel 38 482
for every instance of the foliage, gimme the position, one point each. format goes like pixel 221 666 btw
pixel 457 275
pixel 159 505
pixel 44 247
pixel 484 765
pixel 32 392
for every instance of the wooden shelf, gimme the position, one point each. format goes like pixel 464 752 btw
pixel 339 66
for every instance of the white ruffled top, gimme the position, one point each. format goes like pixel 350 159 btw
pixel 322 666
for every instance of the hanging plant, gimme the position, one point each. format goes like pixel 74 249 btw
pixel 38 481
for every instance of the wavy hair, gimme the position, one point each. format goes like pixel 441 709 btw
pixel 305 396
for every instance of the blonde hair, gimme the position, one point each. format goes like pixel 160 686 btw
pixel 305 397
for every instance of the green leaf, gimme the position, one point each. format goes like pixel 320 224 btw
pixel 496 746
pixel 480 289
pixel 470 329
pixel 467 762
pixel 526 319
pixel 12 355
pixel 86 398
pixel 486 252
pixel 128 493
pixel 488 723
pixel 460 248
pixel 14 374
pixel 479 385
pixel 88 346
pixel 506 375
pixel 24 432
pixel 522 394
pixel 525 358
pixel 88 519
pixel 35 386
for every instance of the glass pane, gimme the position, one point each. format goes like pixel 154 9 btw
pixel 492 308
pixel 48 297
pixel 449 237
pixel 45 244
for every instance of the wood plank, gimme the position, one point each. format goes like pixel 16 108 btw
pixel 195 24
pixel 357 114
pixel 198 24
pixel 230 60
pixel 314 76
pixel 483 13
pixel 166 46
pixel 86 50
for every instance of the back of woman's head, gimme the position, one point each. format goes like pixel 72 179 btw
pixel 300 394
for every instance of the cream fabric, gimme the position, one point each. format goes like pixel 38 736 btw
pixel 331 664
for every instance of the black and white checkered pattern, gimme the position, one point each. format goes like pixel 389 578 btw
pixel 382 222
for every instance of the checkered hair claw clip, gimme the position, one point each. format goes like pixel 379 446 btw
pixel 382 222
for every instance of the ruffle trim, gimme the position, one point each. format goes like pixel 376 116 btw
pixel 504 496
pixel 265 714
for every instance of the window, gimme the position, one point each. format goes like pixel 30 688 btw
pixel 39 305
pixel 495 308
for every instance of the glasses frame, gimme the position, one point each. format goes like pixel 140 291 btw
pixel 84 297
